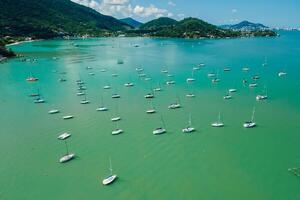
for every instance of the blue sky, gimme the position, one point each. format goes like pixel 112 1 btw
pixel 274 13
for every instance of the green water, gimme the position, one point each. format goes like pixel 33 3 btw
pixel 226 163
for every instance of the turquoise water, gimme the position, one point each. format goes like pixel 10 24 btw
pixel 226 163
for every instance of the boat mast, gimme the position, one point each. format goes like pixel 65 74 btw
pixel 67 147
pixel 252 119
pixel 110 167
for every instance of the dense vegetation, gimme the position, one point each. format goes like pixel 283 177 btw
pixel 193 28
pixel 52 18
pixel 245 25
pixel 6 53
pixel 160 23
pixel 131 22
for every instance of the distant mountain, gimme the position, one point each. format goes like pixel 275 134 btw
pixel 131 22
pixel 159 23
pixel 245 25
pixel 50 18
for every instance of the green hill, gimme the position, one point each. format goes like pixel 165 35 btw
pixel 50 18
pixel 159 23
pixel 132 22
pixel 193 28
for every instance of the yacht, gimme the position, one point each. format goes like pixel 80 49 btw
pixel 111 178
pixel 68 156
pixel 115 119
pixel 151 110
pixel 102 107
pixel 39 100
pixel 117 131
pixel 255 77
pixel 160 130
pixel 149 96
pixel 128 85
pixel 227 97
pixel 218 123
pixel 190 95
pixel 115 96
pixel 192 79
pixel 32 78
pixel 148 79
pixel 139 69
pixel 253 85
pixel 53 111
pixel 158 88
pixel 173 106
pixel 215 80
pixel 281 74
pixel 164 71
pixel 68 117
pixel 226 69
pixel 210 75
pixel 103 70
pixel 233 90
pixel 80 93
pixel 114 75
pixel 106 87
pixel 250 124
pixel 64 136
pixel 246 69
pixel 142 75
pixel 189 128
pixel 261 97
pixel 84 101
pixel 170 82
pixel 92 73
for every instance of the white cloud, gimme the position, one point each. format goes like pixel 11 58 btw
pixel 171 3
pixel 124 8
pixel 181 15
pixel 234 10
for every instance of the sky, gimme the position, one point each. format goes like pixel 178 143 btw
pixel 273 13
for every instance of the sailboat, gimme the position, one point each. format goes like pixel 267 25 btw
pixel 192 79
pixel 151 110
pixel 170 82
pixel 160 130
pixel 282 73
pixel 139 69
pixel 102 107
pixel 84 101
pixel 117 117
pixel 227 97
pixel 54 111
pixel 250 124
pixel 262 97
pixel 265 63
pixel 39 98
pixel 216 79
pixel 66 117
pixel 68 156
pixel 158 88
pixel 111 178
pixel 218 123
pixel 129 84
pixel 64 136
pixel 117 131
pixel 31 78
pixel 175 105
pixel 189 128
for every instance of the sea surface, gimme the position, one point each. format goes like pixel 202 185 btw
pixel 229 163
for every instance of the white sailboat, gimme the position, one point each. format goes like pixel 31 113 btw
pixel 262 97
pixel 102 107
pixel 191 79
pixel 175 105
pixel 158 88
pixel 117 131
pixel 160 130
pixel 68 156
pixel 250 124
pixel 84 101
pixel 189 128
pixel 64 136
pixel 68 117
pixel 218 123
pixel 116 117
pixel 54 111
pixel 111 178
pixel 152 109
